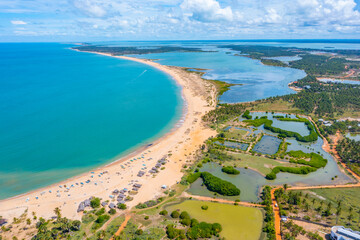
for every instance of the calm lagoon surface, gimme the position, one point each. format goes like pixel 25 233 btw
pixel 64 112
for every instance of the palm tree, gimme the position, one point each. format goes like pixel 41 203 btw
pixel 329 205
pixel 313 201
pixel 285 186
pixel 57 211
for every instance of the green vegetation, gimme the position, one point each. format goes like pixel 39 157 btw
pixel 230 170
pixel 313 136
pixel 324 100
pixel 333 206
pixel 247 115
pixel 237 222
pixel 349 151
pixel 62 226
pixel 149 203
pixel 132 231
pixel 218 185
pixel 272 62
pixel 223 113
pixel 319 65
pixel 315 162
pixel 291 231
pixel 95 202
pixel 258 51
pixel 100 221
pixel 222 86
pixel 192 177
pixel 134 50
pixel 269 227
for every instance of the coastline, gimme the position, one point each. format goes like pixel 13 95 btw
pixel 183 138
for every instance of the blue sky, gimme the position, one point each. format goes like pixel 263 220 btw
pixel 97 20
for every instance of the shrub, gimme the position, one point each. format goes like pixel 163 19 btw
pixel 247 115
pixel 112 211
pixel 100 212
pixel 175 214
pixel 230 170
pixel 218 185
pixel 122 206
pixel 139 232
pixel 146 217
pixel 163 212
pixel 193 177
pixel 95 202
pixel 185 221
pixel 184 215
pixel 204 207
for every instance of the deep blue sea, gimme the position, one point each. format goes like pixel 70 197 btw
pixel 64 112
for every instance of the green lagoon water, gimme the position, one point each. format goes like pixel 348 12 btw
pixel 64 112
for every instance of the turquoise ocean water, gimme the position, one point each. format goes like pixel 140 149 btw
pixel 65 112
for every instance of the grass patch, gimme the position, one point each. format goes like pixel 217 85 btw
pixel 237 222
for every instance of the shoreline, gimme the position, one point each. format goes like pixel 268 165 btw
pixel 183 138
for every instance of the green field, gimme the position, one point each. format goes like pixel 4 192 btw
pixel 237 222
pixel 236 133
pixel 261 164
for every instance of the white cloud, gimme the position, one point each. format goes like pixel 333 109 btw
pixel 207 10
pixel 18 22
pixel 91 8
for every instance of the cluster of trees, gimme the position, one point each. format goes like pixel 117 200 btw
pixel 62 228
pixel 313 136
pixel 319 65
pixel 223 112
pixel 340 126
pixel 134 50
pixel 269 227
pixel 272 62
pixel 149 203
pixel 294 230
pixel 349 151
pixel 294 170
pixel 218 185
pixel 247 115
pixel 316 160
pixel 195 229
pixel 259 51
pixel 324 99
pixel 230 170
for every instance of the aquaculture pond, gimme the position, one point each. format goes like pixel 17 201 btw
pixel 298 127
pixel 267 145
pixel 236 145
pixel 332 80
pixel 353 136
pixel 250 182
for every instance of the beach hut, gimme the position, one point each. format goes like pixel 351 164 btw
pixel 163 186
pixel 87 202
pixel 104 204
pixel 137 185
pixel 115 191
pixel 81 207
pixel 2 222
pixel 112 205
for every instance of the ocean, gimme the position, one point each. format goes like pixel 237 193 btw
pixel 64 112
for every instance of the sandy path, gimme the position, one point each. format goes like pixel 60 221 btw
pixel 123 225
pixel 178 146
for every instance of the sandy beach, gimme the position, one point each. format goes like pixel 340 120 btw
pixel 177 147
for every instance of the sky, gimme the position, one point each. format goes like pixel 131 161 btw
pixel 102 20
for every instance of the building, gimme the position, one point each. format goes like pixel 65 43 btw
pixel 342 233
pixel 2 222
